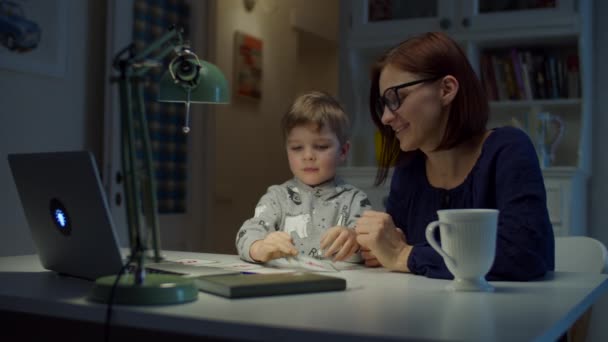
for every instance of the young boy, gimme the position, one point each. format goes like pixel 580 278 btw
pixel 314 213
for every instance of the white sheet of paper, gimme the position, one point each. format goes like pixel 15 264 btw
pixel 272 270
pixel 242 266
pixel 304 262
pixel 196 262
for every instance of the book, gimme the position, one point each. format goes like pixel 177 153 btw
pixel 254 285
pixel 573 76
pixel 509 73
pixel 520 92
pixel 528 75
pixel 539 78
pixel 487 77
pixel 499 75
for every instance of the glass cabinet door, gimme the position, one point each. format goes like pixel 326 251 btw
pixel 381 10
pixel 394 20
pixel 483 15
pixel 492 6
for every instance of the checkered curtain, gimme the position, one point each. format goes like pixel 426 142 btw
pixel 152 19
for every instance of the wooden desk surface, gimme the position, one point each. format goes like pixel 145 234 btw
pixel 377 305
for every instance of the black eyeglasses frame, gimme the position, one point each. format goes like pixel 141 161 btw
pixel 381 103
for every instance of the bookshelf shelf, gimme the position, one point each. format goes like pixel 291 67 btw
pixel 535 103
pixel 548 47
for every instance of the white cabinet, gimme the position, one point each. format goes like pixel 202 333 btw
pixel 486 16
pixel 566 200
pixel 363 178
pixel 534 62
pixel 381 22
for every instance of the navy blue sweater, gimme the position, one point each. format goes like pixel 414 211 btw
pixel 506 177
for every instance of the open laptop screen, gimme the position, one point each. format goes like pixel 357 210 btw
pixel 67 213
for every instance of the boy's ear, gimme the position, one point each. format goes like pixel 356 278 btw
pixel 344 151
pixel 449 89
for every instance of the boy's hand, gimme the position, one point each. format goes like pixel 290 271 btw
pixel 339 242
pixel 275 245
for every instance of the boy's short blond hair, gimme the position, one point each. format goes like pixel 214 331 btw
pixel 320 109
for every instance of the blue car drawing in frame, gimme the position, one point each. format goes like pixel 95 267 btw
pixel 17 33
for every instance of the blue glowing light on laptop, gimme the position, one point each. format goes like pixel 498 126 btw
pixel 60 218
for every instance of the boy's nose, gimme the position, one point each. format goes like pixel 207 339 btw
pixel 309 154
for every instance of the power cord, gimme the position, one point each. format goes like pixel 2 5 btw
pixel 111 299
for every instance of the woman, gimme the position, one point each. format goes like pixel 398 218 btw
pixel 432 112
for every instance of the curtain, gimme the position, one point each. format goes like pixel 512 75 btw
pixel 152 19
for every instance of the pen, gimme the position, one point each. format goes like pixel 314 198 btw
pixel 339 222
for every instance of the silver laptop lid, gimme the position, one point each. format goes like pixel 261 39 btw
pixel 67 213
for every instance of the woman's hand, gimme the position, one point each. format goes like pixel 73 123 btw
pixel 381 242
pixel 275 245
pixel 339 242
pixel 369 259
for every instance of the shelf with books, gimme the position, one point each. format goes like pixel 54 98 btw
pixel 527 73
pixel 535 103
pixel 536 84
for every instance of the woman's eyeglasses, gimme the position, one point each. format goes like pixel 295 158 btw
pixel 391 98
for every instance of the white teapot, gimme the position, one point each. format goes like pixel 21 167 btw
pixel 550 131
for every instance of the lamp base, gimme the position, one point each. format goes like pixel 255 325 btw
pixel 157 289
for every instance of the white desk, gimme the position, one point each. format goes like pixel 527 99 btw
pixel 377 305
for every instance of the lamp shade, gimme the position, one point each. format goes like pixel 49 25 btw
pixel 211 87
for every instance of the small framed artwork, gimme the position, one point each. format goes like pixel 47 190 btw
pixel 248 66
pixel 33 36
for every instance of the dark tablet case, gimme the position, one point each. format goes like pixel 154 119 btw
pixel 254 285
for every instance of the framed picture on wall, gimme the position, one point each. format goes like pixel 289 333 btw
pixel 248 66
pixel 33 36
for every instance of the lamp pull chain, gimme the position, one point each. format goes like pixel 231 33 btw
pixel 186 128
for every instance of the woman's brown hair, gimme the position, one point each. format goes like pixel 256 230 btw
pixel 432 54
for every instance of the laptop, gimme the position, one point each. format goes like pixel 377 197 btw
pixel 69 218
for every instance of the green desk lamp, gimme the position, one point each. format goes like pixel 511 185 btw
pixel 187 80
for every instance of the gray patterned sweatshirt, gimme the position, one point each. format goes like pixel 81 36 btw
pixel 304 212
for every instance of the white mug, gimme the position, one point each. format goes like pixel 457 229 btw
pixel 468 245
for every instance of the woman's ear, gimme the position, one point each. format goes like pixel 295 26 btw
pixel 449 88
pixel 344 151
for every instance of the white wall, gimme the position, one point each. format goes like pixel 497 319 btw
pixel 317 64
pixel 248 154
pixel 42 113
pixel 317 35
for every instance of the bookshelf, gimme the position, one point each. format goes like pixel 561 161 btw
pixel 529 73
pixel 534 59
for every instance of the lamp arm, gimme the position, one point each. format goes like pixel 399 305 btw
pixel 167 37
pixel 129 169
pixel 156 61
pixel 148 186
pixel 141 63
pixel 138 182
